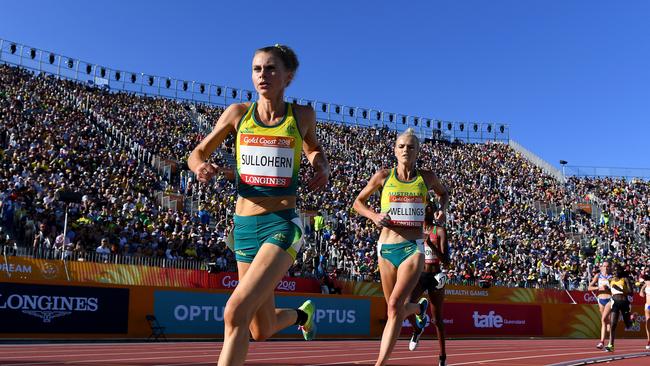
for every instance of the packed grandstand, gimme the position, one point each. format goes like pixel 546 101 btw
pixel 114 161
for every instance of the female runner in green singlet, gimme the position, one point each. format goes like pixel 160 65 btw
pixel 270 136
pixel 400 248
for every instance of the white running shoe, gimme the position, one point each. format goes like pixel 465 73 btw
pixel 415 338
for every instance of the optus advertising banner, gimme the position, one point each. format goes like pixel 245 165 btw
pixel 488 320
pixel 202 313
pixel 63 309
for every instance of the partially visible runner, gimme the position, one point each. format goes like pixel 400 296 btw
pixel 600 283
pixel 400 248
pixel 432 280
pixel 269 137
pixel 621 289
pixel 645 292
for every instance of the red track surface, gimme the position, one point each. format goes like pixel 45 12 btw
pixel 459 352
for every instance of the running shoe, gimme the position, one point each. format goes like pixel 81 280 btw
pixel 422 318
pixel 600 345
pixel 415 338
pixel 648 346
pixel 442 363
pixel 309 328
pixel 609 348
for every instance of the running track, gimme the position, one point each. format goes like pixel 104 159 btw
pixel 321 353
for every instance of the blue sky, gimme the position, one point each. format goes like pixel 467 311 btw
pixel 572 78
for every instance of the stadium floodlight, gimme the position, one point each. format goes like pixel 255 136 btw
pixel 202 88
pixel 150 80
pixel 133 78
pixel 89 69
pixel 168 83
pixel 118 75
pixel 51 58
pixel 563 163
pixel 12 48
pixel 249 95
pixel 449 126
pixel 32 53
pixel 475 127
pixel 70 63
pixel 102 72
pixel 218 91
pixel 337 109
pixel 502 128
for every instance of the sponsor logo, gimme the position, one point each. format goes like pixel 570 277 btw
pixel 336 316
pixel 229 282
pixel 280 237
pixel 199 312
pixel 48 307
pixel 49 270
pixel 456 292
pixel 284 285
pixel 15 268
pixel 265 181
pixel 491 320
pixel 287 286
pixel 268 141
pixel 589 297
pixel 27 308
pixel 203 313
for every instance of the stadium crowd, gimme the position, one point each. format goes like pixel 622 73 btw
pixel 60 136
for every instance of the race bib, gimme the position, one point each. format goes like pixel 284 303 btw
pixel 429 257
pixel 266 161
pixel 406 210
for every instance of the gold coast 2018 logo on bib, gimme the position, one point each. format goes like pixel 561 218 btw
pixel 266 160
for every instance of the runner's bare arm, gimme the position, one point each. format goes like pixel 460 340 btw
pixel 226 124
pixel 360 203
pixel 593 285
pixel 433 182
pixel 312 148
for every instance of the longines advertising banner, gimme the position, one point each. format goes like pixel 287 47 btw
pixel 28 308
